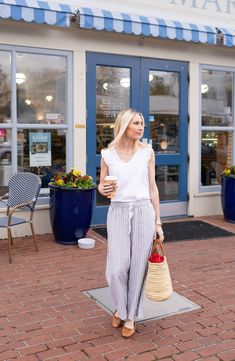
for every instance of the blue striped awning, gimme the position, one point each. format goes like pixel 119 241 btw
pixel 98 19
pixel 36 11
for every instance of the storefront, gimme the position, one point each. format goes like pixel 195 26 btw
pixel 66 71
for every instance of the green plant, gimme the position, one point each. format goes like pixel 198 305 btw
pixel 72 179
pixel 229 171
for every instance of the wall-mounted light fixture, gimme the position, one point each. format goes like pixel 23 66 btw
pixel 219 37
pixel 75 18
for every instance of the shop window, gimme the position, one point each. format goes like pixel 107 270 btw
pixel 217 125
pixel 48 147
pixel 5 87
pixel 35 106
pixel 41 84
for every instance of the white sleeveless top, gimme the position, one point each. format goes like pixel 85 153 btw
pixel 132 176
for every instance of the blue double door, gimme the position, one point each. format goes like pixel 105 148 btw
pixel 159 90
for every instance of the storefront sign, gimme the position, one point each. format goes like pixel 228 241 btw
pixel 39 149
pixel 218 10
pixel 221 6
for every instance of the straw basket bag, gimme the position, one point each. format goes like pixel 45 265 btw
pixel 158 286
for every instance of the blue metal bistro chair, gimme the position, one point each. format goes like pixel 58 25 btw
pixel 22 195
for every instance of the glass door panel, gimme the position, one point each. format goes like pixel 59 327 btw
pixel 167 179
pixel 164 111
pixel 164 128
pixel 112 96
pixel 164 93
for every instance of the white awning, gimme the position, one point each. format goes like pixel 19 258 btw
pixel 40 12
pixel 99 19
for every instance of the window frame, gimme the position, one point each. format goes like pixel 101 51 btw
pixel 214 188
pixel 43 198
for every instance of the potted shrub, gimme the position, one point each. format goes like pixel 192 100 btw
pixel 228 193
pixel 72 197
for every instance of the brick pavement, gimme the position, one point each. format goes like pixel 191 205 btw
pixel 45 316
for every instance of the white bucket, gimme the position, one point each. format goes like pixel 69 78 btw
pixel 86 243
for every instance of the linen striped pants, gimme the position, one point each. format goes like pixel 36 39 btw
pixel 131 228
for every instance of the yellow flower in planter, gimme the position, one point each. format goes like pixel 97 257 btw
pixel 229 171
pixel 60 182
pixel 72 179
pixel 76 172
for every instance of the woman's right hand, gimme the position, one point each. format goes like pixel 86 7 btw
pixel 105 189
pixel 159 232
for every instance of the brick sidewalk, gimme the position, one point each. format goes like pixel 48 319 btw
pixel 45 316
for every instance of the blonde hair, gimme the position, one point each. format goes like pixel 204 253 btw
pixel 121 123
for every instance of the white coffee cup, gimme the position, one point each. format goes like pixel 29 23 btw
pixel 111 180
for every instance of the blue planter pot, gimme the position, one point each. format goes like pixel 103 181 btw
pixel 70 213
pixel 228 198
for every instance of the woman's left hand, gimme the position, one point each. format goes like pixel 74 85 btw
pixel 159 231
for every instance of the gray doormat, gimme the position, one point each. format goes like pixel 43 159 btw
pixel 152 310
pixel 182 231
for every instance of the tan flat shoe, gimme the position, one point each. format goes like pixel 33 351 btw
pixel 128 332
pixel 116 321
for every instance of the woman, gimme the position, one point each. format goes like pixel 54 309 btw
pixel 133 216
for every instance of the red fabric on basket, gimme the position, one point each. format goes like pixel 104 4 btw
pixel 156 258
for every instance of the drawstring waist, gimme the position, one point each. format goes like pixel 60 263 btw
pixel 130 205
pixel 138 203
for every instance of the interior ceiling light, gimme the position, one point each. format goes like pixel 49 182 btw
pixel 125 82
pixel 105 86
pixel 28 101
pixel 20 78
pixel 49 98
pixel 40 116
pixel 204 88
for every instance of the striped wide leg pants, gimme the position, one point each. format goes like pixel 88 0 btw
pixel 131 227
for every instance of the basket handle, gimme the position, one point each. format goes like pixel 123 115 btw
pixel 157 243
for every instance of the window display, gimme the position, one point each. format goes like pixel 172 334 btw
pixel 5 87
pixel 35 118
pixel 217 124
pixel 41 88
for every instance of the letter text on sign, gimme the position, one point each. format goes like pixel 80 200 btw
pixel 229 3
pixel 183 2
pixel 215 2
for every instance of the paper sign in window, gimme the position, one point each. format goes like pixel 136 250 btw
pixel 39 149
